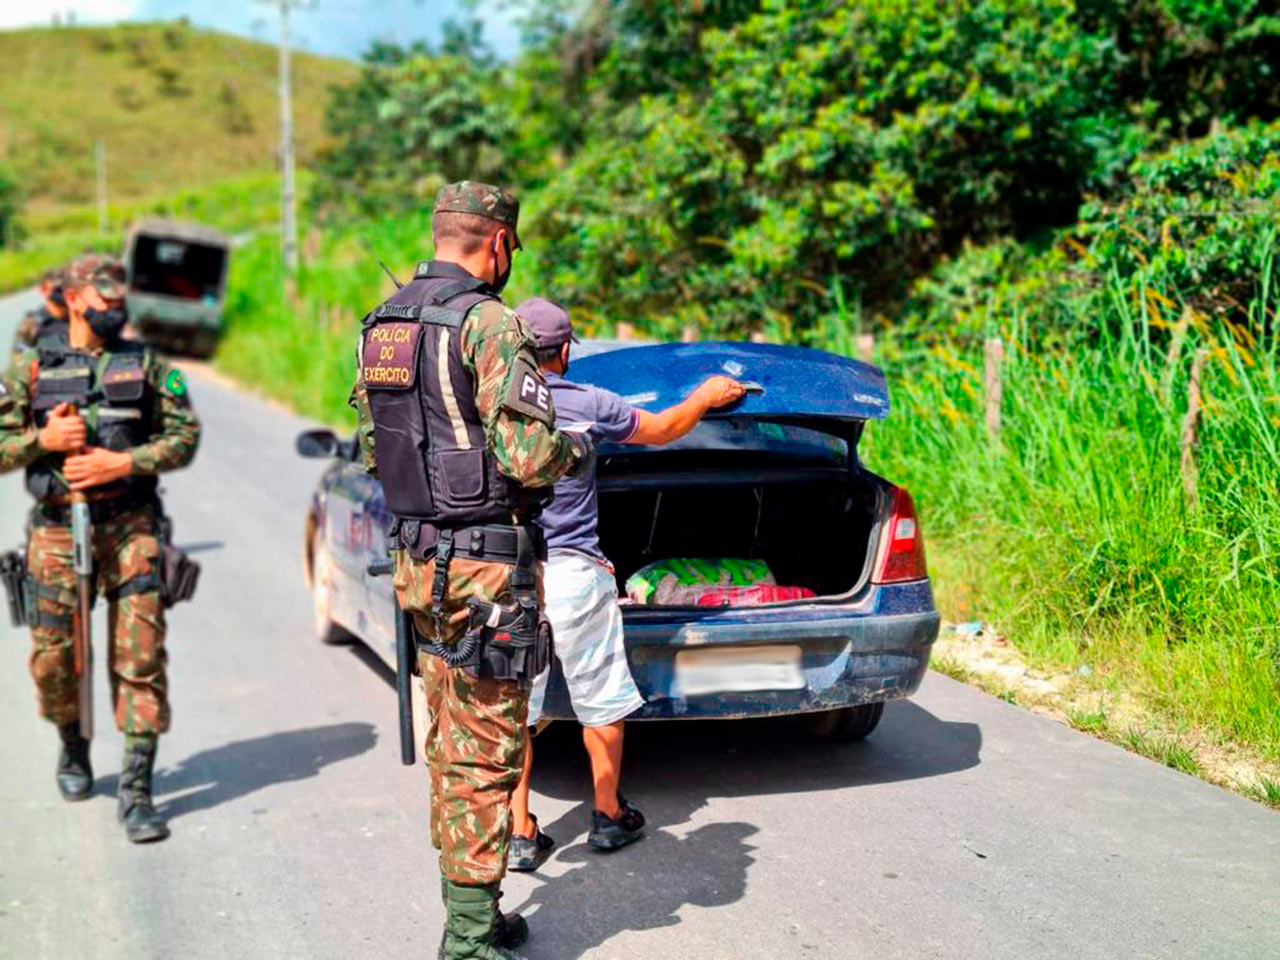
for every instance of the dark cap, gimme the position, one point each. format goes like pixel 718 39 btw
pixel 481 200
pixel 54 276
pixel 547 322
pixel 105 274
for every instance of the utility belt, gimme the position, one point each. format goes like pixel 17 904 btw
pixel 174 575
pixel 57 513
pixel 503 642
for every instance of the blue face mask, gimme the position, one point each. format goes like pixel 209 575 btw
pixel 106 324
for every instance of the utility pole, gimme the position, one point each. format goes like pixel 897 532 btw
pixel 100 165
pixel 288 191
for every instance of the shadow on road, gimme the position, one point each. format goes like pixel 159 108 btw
pixel 671 770
pixel 241 767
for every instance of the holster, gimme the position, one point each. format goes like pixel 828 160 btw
pixel 13 572
pixel 502 642
pixel 179 574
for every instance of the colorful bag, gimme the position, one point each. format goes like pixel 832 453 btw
pixel 681 581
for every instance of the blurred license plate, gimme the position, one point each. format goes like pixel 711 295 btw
pixel 738 669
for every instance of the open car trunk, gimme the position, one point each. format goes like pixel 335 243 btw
pixel 774 477
pixel 815 528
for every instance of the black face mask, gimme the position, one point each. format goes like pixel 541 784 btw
pixel 106 324
pixel 57 297
pixel 500 279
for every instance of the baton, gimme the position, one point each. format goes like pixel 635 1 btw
pixel 406 656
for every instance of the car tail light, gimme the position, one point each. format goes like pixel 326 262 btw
pixel 903 553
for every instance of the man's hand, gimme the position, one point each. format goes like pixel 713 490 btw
pixel 719 392
pixel 63 431
pixel 96 467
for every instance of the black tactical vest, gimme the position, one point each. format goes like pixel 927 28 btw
pixel 113 396
pixel 433 461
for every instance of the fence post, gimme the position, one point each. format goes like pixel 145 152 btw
pixel 626 331
pixel 993 359
pixel 689 334
pixel 867 347
pixel 1191 430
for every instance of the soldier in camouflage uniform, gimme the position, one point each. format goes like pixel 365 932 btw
pixel 89 412
pixel 51 315
pixel 456 420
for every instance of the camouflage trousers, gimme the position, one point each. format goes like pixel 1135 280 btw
pixel 476 736
pixel 124 549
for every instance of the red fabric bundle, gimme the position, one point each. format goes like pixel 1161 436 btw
pixel 751 596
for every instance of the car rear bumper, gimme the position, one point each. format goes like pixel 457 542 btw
pixel 849 656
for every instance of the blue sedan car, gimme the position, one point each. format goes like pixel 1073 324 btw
pixel 776 477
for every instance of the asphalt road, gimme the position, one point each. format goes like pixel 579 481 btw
pixel 963 828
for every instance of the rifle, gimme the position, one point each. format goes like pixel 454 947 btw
pixel 406 659
pixel 82 644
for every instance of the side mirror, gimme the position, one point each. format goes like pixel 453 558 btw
pixel 318 443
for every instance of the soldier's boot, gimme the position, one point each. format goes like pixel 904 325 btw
pixel 75 774
pixel 142 824
pixel 470 925
pixel 510 930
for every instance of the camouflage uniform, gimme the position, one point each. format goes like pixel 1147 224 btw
pixel 37 321
pixel 476 738
pixel 125 548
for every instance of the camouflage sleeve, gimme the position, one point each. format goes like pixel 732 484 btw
pixel 359 402
pixel 25 336
pixel 513 399
pixel 19 443
pixel 177 433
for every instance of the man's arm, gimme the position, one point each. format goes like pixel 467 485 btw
pixel 177 430
pixel 514 401
pixel 20 441
pixel 669 425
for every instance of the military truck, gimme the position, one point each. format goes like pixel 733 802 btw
pixel 177 284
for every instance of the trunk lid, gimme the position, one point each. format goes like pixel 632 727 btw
pixel 788 383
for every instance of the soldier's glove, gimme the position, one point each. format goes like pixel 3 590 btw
pixel 585 448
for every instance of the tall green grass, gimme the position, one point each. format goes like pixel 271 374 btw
pixel 1074 534
pixel 57 234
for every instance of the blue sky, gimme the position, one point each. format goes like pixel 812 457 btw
pixel 336 27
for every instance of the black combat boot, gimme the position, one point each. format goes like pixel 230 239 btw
pixel 141 822
pixel 510 930
pixel 470 925
pixel 75 775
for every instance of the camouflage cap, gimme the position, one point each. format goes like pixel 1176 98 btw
pixel 54 276
pixel 104 273
pixel 482 200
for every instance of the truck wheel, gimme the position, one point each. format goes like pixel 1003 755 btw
pixel 847 724
pixel 202 345
pixel 322 594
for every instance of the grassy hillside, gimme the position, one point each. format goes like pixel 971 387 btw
pixel 178 108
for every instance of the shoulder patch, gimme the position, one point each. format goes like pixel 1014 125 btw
pixel 173 382
pixel 389 355
pixel 528 393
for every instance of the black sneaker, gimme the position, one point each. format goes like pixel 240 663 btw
pixel 609 834
pixel 524 854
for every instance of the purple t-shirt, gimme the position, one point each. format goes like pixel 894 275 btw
pixel 569 521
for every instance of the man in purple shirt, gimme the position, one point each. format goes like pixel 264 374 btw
pixel 581 591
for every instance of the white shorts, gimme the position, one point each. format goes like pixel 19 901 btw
pixel 582 605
